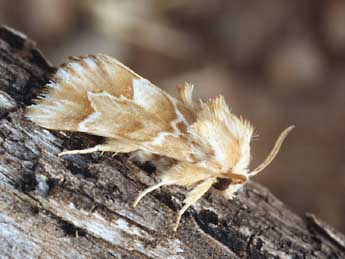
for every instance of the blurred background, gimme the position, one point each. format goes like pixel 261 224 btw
pixel 278 62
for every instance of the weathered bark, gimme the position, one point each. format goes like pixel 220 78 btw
pixel 80 206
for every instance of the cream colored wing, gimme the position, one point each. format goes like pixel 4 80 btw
pixel 99 95
pixel 66 102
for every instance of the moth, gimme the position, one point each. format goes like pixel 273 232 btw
pixel 99 95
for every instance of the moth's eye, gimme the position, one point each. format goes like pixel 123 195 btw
pixel 222 184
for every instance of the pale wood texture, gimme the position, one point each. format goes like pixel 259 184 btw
pixel 80 206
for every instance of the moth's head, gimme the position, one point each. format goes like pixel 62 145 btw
pixel 225 180
pixel 232 180
pixel 228 187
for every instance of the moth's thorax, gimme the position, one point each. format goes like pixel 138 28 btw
pixel 212 165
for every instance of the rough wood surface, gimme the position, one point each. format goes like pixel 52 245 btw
pixel 80 206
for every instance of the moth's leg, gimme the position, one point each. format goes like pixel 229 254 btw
pixel 182 174
pixel 230 192
pixel 141 156
pixel 86 150
pixel 193 196
pixel 146 191
pixel 110 145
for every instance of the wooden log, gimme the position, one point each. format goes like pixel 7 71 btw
pixel 80 206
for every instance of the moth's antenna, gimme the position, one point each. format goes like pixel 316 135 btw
pixel 273 153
